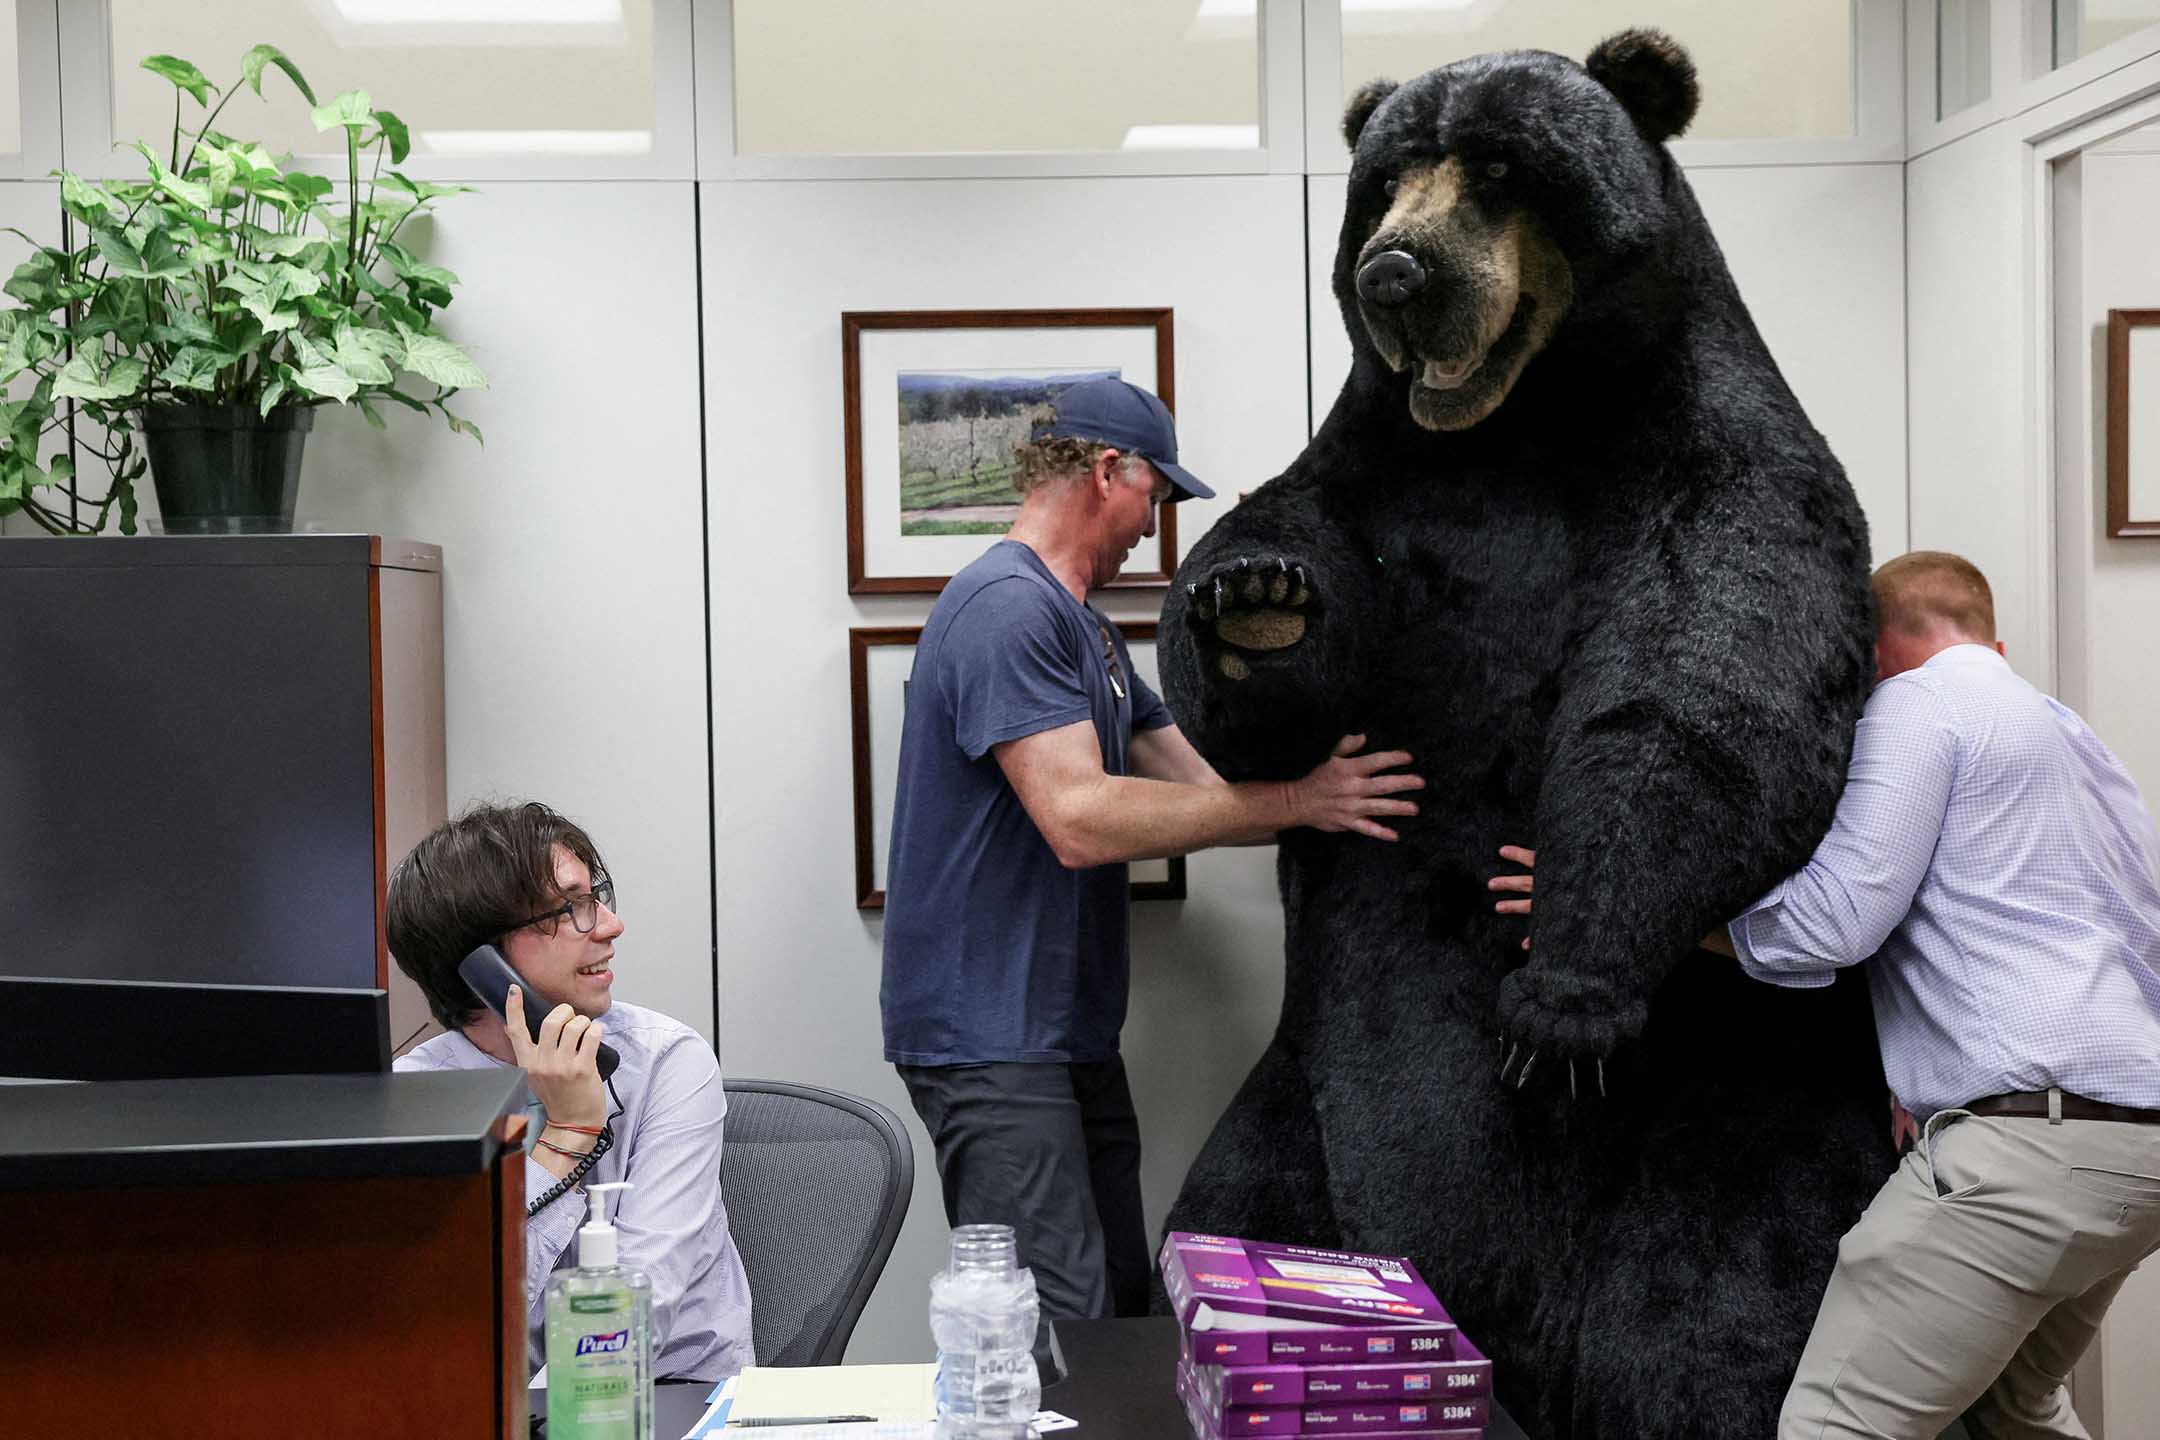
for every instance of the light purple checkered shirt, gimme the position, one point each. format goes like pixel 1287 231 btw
pixel 1997 861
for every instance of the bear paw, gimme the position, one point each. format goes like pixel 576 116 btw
pixel 1253 606
pixel 1549 1017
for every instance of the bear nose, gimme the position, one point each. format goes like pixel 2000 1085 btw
pixel 1390 278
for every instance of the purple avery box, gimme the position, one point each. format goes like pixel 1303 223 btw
pixel 1467 1374
pixel 1351 1417
pixel 1245 1302
pixel 1394 1419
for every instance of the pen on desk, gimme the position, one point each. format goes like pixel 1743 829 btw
pixel 805 1420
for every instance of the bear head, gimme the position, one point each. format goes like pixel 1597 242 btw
pixel 1490 197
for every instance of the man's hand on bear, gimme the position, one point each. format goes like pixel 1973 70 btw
pixel 1254 606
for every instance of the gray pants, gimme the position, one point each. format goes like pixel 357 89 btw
pixel 1054 1152
pixel 1976 1279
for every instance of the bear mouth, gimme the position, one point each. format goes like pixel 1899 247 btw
pixel 1442 385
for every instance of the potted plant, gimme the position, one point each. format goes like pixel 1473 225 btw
pixel 198 316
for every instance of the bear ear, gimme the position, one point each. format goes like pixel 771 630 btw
pixel 1653 79
pixel 1361 107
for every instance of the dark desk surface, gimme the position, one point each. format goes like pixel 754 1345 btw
pixel 255 1127
pixel 1121 1386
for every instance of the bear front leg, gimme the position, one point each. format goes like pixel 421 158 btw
pixel 1258 645
pixel 1678 788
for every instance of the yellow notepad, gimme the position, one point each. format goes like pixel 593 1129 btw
pixel 889 1392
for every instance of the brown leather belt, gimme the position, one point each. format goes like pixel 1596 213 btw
pixel 2034 1103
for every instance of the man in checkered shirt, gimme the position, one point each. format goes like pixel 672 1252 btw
pixel 1998 863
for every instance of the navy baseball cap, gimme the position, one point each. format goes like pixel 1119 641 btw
pixel 1122 415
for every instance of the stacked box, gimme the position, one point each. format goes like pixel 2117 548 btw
pixel 1294 1340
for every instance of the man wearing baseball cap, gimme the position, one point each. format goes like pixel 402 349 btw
pixel 1033 765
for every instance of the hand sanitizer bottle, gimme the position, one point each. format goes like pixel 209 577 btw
pixel 599 1338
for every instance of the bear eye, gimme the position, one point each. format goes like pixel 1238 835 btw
pixel 1391 186
pixel 1497 170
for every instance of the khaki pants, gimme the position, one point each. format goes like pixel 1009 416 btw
pixel 1977 1278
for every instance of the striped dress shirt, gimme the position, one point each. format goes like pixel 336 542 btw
pixel 1997 862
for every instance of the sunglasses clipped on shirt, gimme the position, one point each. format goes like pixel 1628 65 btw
pixel 1110 662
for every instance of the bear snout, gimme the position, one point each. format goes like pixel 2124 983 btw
pixel 1390 278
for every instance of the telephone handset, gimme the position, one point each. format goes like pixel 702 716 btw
pixel 491 977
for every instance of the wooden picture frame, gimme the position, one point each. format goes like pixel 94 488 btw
pixel 876 754
pixel 1000 366
pixel 2133 499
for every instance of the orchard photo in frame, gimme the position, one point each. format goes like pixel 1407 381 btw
pixel 880 659
pixel 935 401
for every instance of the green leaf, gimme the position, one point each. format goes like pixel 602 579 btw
pixel 361 360
pixel 464 427
pixel 88 199
pixel 319 375
pixel 272 393
pixel 269 242
pixel 420 189
pixel 34 280
pixel 403 399
pixel 195 368
pixel 158 259
pixel 184 327
pixel 122 309
pixel 374 416
pixel 264 298
pixel 22 348
pixel 306 188
pixel 411 267
pixel 254 62
pixel 386 213
pixel 80 379
pixel 433 358
pixel 400 137
pixel 350 109
pixel 185 191
pixel 182 74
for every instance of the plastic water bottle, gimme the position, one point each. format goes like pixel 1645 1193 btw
pixel 982 1311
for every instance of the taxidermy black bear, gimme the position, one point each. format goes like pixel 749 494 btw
pixel 1568 538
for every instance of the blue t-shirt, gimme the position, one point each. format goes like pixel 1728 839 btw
pixel 993 950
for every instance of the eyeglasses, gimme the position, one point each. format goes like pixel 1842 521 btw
pixel 583 910
pixel 1109 655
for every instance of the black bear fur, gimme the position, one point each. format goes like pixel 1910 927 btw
pixel 1623 618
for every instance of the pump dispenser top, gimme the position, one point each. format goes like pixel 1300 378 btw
pixel 596 1240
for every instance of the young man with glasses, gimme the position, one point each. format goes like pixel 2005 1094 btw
pixel 531 882
pixel 1033 765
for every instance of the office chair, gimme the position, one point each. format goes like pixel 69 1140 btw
pixel 816 1184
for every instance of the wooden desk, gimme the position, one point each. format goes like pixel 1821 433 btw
pixel 1122 1386
pixel 327 1255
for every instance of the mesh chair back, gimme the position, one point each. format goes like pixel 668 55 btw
pixel 816 1183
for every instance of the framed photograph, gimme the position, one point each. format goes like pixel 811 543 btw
pixel 935 401
pixel 2133 410
pixel 880 659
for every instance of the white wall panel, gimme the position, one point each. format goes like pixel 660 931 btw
pixel 799 965
pixel 1968 367
pixel 1818 252
pixel 573 587
pixel 2107 208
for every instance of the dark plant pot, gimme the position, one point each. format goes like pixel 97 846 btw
pixel 225 469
